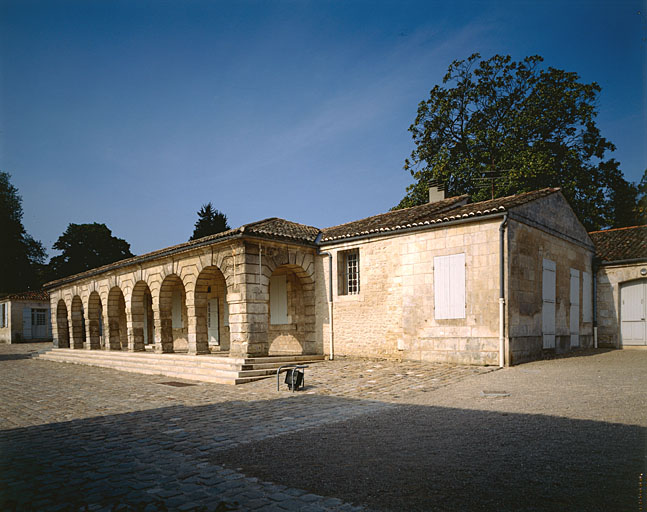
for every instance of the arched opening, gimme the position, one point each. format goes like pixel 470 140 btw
pixel 78 323
pixel 291 328
pixel 62 325
pixel 95 317
pixel 173 315
pixel 117 326
pixel 141 309
pixel 211 311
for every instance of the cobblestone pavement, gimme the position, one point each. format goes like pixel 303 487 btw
pixel 76 437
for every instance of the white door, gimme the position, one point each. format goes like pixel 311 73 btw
pixel 633 323
pixel 548 303
pixel 575 308
pixel 213 330
pixel 38 323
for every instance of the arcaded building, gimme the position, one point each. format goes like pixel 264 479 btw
pixel 496 282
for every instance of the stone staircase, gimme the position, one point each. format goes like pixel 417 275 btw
pixel 206 368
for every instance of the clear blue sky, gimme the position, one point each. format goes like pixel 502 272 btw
pixel 135 113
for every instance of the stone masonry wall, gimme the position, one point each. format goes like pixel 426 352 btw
pixel 528 247
pixel 609 280
pixel 393 314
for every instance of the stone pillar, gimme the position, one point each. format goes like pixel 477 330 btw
pixel 195 347
pixel 54 323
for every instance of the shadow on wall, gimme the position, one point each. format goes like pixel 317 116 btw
pixel 395 458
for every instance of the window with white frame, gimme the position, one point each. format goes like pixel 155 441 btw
pixel 348 272
pixel 279 300
pixel 4 322
pixel 449 286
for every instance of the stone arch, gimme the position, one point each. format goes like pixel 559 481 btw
pixel 141 311
pixel 95 319
pixel 78 323
pixel 211 311
pixel 173 314
pixel 117 325
pixel 291 307
pixel 62 327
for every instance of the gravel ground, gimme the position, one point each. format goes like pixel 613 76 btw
pixel 565 434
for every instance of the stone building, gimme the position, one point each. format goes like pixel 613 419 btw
pixel 495 282
pixel 621 279
pixel 25 317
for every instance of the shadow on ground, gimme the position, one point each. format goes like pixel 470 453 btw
pixel 394 458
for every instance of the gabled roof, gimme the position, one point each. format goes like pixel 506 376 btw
pixel 620 243
pixel 431 213
pixel 39 295
pixel 272 228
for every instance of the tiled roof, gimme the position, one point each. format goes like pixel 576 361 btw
pixel 272 228
pixel 431 213
pixel 39 295
pixel 620 243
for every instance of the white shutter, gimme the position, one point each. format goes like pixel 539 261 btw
pixel 449 286
pixel 575 308
pixel 3 315
pixel 548 303
pixel 278 300
pixel 26 323
pixel 213 329
pixel 177 309
pixel 587 293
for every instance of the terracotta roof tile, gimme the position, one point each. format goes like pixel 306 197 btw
pixel 39 295
pixel 620 243
pixel 428 214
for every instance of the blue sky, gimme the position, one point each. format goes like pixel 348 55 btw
pixel 135 113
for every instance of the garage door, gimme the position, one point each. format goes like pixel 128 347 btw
pixel 633 317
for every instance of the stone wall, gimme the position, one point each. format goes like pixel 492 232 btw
pixel 609 280
pixel 393 314
pixel 528 246
pixel 241 269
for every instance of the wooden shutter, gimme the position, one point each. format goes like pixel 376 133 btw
pixel 278 300
pixel 548 303
pixel 26 323
pixel 575 308
pixel 587 294
pixel 449 286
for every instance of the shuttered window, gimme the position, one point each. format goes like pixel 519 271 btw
pixel 3 315
pixel 449 286
pixel 278 300
pixel 587 297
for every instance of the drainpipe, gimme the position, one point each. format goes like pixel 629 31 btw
pixel 595 304
pixel 502 290
pixel 330 316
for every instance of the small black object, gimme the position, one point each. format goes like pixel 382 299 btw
pixel 294 377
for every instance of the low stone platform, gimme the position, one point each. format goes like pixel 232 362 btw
pixel 217 369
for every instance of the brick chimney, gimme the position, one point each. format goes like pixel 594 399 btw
pixel 436 192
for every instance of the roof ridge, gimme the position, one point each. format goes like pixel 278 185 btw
pixel 618 229
pixel 390 212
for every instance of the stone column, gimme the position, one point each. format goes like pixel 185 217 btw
pixel 195 347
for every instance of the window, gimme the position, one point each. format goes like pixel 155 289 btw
pixel 348 272
pixel 3 315
pixel 587 297
pixel 176 310
pixel 38 316
pixel 449 286
pixel 278 300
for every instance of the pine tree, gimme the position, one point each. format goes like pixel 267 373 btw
pixel 210 221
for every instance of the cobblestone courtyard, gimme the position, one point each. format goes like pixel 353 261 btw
pixel 363 435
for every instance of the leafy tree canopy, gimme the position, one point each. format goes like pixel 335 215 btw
pixel 84 247
pixel 21 257
pixel 531 126
pixel 210 221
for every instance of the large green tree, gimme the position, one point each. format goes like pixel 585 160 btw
pixel 84 247
pixel 523 126
pixel 21 257
pixel 210 221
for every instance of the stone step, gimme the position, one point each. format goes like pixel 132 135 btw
pixel 221 370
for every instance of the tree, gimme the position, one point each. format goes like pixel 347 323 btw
pixel 210 221
pixel 641 203
pixel 84 247
pixel 528 126
pixel 21 257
